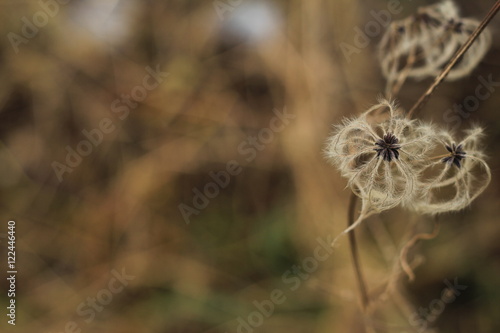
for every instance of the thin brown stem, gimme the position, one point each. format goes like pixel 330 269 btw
pixel 398 83
pixel 354 252
pixel 403 256
pixel 440 78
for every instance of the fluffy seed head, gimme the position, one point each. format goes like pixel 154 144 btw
pixel 453 182
pixel 420 45
pixel 380 158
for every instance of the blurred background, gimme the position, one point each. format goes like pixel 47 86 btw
pixel 178 146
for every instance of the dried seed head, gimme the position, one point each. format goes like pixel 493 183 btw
pixel 380 159
pixel 390 162
pixel 420 45
pixel 454 181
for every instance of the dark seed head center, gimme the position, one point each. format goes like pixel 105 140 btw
pixel 388 147
pixel 457 154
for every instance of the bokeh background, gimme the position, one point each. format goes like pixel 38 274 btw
pixel 232 66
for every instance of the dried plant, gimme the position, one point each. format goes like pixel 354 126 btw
pixel 460 175
pixel 420 45
pixel 388 157
pixel 388 163
pixel 382 160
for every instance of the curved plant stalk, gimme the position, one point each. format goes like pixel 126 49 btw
pixel 394 86
pixel 354 252
pixel 403 256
